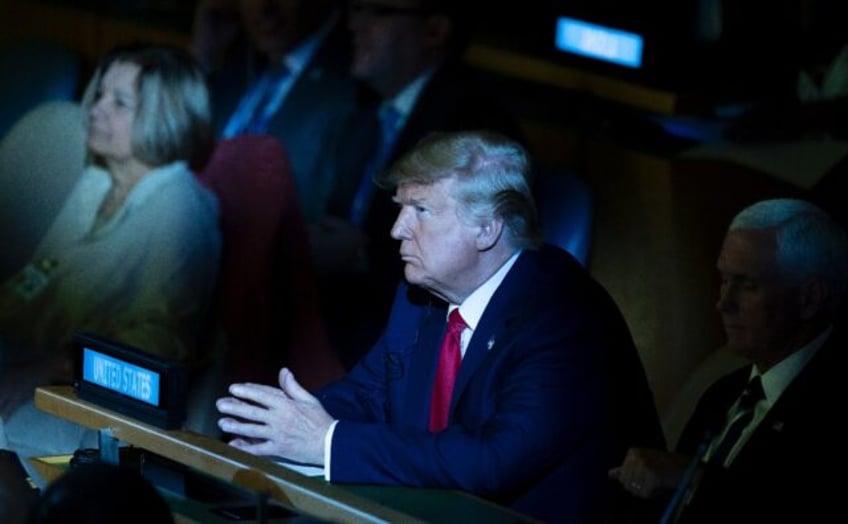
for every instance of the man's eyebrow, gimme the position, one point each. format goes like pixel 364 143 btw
pixel 411 201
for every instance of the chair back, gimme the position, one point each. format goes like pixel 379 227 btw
pixel 41 158
pixel 266 302
pixel 566 208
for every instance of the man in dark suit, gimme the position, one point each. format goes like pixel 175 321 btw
pixel 783 268
pixel 408 55
pixel 550 391
pixel 245 43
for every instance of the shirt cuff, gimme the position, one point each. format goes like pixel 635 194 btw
pixel 328 446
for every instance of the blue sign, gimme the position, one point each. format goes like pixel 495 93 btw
pixel 599 42
pixel 120 376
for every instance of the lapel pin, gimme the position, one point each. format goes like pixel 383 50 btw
pixel 491 343
pixel 777 425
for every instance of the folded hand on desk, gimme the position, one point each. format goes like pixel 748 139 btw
pixel 286 421
pixel 647 473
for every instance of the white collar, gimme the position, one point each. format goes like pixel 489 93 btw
pixel 778 377
pixel 404 101
pixel 298 58
pixel 474 305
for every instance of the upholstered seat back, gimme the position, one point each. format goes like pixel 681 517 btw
pixel 566 207
pixel 267 302
pixel 41 158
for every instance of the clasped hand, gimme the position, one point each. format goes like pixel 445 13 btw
pixel 286 422
pixel 647 473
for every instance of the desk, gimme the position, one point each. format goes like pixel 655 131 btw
pixel 307 495
pixel 544 71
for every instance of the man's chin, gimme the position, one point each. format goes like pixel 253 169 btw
pixel 739 348
pixel 412 276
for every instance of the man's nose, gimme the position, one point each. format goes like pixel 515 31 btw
pixel 96 107
pixel 400 230
pixel 726 302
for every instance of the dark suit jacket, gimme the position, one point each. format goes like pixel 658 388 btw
pixel 454 99
pixel 322 97
pixel 550 394
pixel 783 473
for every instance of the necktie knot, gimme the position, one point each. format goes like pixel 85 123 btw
pixel 740 419
pixel 752 394
pixel 456 323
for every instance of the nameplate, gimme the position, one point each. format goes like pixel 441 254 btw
pixel 130 381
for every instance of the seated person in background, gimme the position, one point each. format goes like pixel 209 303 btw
pixel 100 493
pixel 408 54
pixel 133 254
pixel 783 269
pixel 279 67
pixel 550 389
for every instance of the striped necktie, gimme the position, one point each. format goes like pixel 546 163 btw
pixel 678 508
pixel 743 416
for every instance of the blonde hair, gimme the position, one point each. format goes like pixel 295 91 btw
pixel 492 174
pixel 173 115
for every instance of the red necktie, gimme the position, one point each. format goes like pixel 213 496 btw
pixel 450 357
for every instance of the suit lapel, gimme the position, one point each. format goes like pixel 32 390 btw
pixel 802 396
pixel 423 362
pixel 496 326
pixel 498 323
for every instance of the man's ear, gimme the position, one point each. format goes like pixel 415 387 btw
pixel 489 234
pixel 815 296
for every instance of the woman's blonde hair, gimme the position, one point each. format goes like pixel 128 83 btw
pixel 173 115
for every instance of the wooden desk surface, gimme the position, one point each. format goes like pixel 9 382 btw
pixel 311 496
